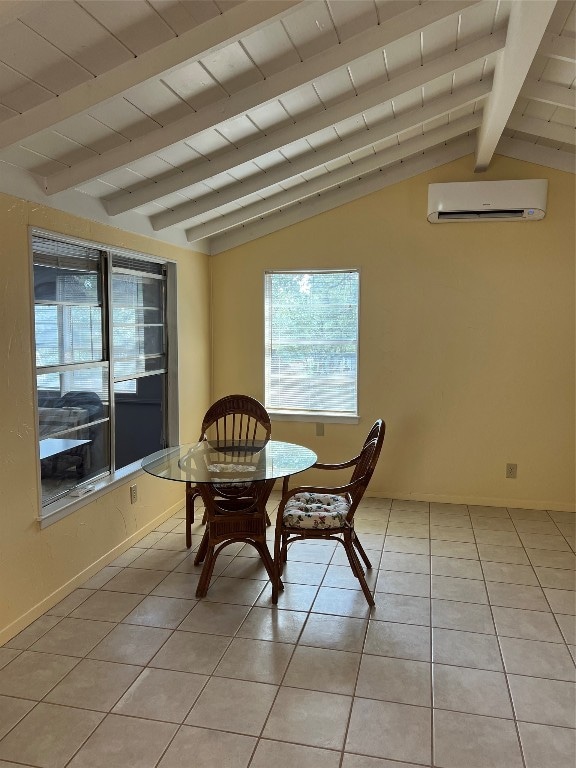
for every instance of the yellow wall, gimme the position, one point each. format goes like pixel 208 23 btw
pixel 39 567
pixel 466 339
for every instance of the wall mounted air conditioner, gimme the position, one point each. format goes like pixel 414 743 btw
pixel 487 201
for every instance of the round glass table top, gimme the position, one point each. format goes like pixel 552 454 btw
pixel 229 462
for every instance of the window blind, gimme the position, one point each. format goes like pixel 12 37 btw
pixel 311 342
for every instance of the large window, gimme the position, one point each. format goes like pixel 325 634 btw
pixel 311 342
pixel 101 362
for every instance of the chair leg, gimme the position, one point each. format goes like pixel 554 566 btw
pixel 201 554
pixel 189 514
pixel 360 549
pixel 206 575
pixel 357 568
pixel 277 567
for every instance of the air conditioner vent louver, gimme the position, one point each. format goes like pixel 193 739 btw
pixel 487 201
pixel 477 215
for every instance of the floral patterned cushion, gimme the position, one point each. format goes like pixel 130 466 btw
pixel 315 510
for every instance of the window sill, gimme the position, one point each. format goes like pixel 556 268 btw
pixel 319 417
pixel 63 507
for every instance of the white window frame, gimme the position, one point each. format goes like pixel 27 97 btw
pixel 65 505
pixel 319 416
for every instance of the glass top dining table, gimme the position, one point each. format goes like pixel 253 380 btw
pixel 219 462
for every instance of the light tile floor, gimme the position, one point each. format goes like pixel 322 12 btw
pixel 467 661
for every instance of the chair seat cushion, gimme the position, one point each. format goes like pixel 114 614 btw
pixel 316 510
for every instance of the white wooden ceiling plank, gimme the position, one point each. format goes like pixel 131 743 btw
pixel 352 191
pixel 352 16
pixel 368 71
pixel 475 71
pixel 478 21
pixel 556 71
pixel 439 87
pixel 151 167
pixel 123 117
pixel 410 134
pixel 157 101
pixel 180 16
pixel 563 17
pixel 149 209
pixel 12 10
pixel 360 122
pixel 333 165
pixel 91 133
pixel 368 151
pixel 134 23
pixel 402 54
pixel 48 66
pixel 536 127
pixel 18 92
pixel 209 144
pixel 193 84
pixel 310 175
pixel 123 178
pixel 565 116
pixel 377 114
pixel 559 47
pixel 202 10
pixel 365 102
pixel 239 130
pixel 406 102
pixel 58 147
pixel 267 161
pixel 334 87
pixel 468 109
pixel 271 116
pixel 570 25
pixel 179 155
pixel 6 112
pixel 296 149
pixel 90 44
pixel 532 153
pixel 211 36
pixel 399 27
pixel 441 38
pixel 28 160
pixel 536 109
pixel 232 68
pixel 549 93
pixel 271 49
pixel 325 138
pixel 300 101
pixel 528 21
pixel 309 162
pixel 95 188
pixel 311 30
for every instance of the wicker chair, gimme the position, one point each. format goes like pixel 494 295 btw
pixel 234 417
pixel 327 512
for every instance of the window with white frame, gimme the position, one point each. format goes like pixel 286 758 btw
pixel 311 342
pixel 101 361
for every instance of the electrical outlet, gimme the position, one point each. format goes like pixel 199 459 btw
pixel 133 494
pixel 511 471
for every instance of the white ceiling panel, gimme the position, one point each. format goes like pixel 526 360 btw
pixel 272 103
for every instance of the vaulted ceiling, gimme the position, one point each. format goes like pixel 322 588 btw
pixel 213 122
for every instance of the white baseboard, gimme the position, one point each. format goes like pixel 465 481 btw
pixel 8 632
pixel 483 501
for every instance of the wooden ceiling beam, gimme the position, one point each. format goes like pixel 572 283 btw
pixel 526 27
